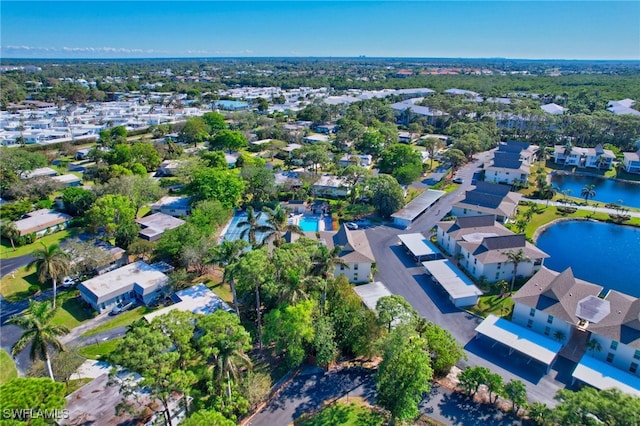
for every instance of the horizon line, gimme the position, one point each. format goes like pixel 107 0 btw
pixel 322 57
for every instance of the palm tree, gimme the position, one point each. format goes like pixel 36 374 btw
pixel 516 257
pixel 50 262
pixel 618 166
pixel 559 336
pixel 38 330
pixel 587 192
pixel 324 265
pixel 594 346
pixel 277 224
pixel 252 226
pixel 601 161
pixel 230 357
pixel 225 255
pixel 293 288
pixel 10 231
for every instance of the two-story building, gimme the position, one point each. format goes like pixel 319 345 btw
pixel 631 162
pixel 356 254
pixel 482 247
pixel 596 158
pixel 488 199
pixel 137 281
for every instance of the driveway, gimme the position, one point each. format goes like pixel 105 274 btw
pixel 9 265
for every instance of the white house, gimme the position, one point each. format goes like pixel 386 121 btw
pixel 137 281
pixel 597 158
pixel 623 107
pixel 154 225
pixel 488 199
pixel 553 109
pixel 328 185
pixel 356 254
pixel 362 160
pixel 41 222
pixel 632 162
pixel 483 250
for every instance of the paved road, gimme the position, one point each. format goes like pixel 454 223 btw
pixel 403 276
pixel 8 265
pixel 309 390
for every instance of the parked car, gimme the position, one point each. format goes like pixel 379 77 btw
pixel 458 180
pixel 351 225
pixel 69 282
pixel 122 306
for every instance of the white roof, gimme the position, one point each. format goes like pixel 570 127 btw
pixel 525 341
pixel 552 109
pixel 123 279
pixel 418 244
pixel 197 299
pixel 39 220
pixel 42 171
pixel 454 281
pixel 370 293
pixel 68 178
pixel 418 204
pixel 602 376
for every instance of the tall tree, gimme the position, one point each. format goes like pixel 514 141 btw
pixel 444 348
pixel 290 328
pixel 226 255
pixel 455 157
pixel 251 227
pixel 277 224
pixel 394 310
pixel 516 391
pixel 588 191
pixel 516 257
pixel 38 330
pixel 433 145
pixel 404 374
pixel 225 342
pixel 50 263
pixel 325 262
pixel 386 194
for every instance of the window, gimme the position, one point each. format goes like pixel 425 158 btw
pixel 355 267
pixel 634 367
pixel 474 269
pixel 497 275
pixel 530 323
pixel 547 330
pixel 636 355
pixel 532 312
pixel 475 261
pixel 465 211
pixel 550 319
pixel 614 345
pixel 342 267
pixel 355 276
pixel 499 265
pixel 610 357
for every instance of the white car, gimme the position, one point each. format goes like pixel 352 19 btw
pixel 351 225
pixel 122 306
pixel 68 282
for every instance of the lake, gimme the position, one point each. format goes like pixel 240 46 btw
pixel 607 190
pixel 598 252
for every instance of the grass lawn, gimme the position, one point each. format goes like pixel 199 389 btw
pixel 74 385
pixel 71 310
pixel 124 318
pixel 98 350
pixel 14 287
pixel 221 289
pixel 7 367
pixel 143 211
pixel 493 304
pixel 6 252
pixel 344 413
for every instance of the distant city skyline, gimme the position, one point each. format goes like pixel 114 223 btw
pixel 608 30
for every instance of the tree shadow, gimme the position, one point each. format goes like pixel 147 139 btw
pixel 460 409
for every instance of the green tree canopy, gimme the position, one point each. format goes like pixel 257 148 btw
pixel 291 329
pixel 231 140
pixel 38 394
pixel 404 374
pixel 109 212
pixel 395 310
pixel 222 185
pixel 396 156
pixel 215 121
pixel 385 194
pixel 444 348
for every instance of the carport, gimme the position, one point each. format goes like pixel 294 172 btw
pixel 462 291
pixel 601 376
pixel 370 293
pixel 420 247
pixel 536 346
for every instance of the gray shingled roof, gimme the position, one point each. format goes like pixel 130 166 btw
pixel 355 246
pixel 623 322
pixel 556 293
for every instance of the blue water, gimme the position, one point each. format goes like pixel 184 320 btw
pixel 601 253
pixel 309 224
pixel 233 231
pixel 607 190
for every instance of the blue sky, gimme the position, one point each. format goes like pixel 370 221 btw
pixel 451 29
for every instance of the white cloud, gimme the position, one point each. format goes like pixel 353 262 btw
pixel 94 50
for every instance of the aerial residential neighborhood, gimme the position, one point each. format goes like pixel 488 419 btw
pixel 204 238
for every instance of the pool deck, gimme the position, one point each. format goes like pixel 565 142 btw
pixel 324 221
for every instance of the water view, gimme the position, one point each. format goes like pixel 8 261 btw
pixel 607 190
pixel 601 253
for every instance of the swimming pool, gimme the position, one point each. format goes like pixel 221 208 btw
pixel 309 224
